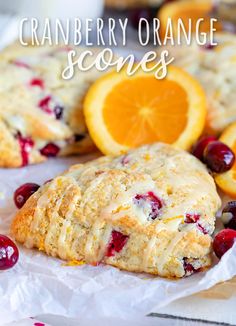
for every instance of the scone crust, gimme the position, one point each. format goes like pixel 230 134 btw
pixel 73 217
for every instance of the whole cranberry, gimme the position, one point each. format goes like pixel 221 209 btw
pixel 9 253
pixel 24 192
pixel 223 241
pixel 229 215
pixel 219 157
pixel 200 146
pixel 137 13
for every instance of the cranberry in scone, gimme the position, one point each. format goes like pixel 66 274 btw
pixel 117 242
pixel 50 150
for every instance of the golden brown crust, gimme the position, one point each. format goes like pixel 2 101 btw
pixel 74 217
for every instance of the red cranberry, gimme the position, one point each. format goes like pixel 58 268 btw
pixel 137 13
pixel 202 229
pixel 9 253
pixel 191 218
pixel 223 241
pixel 21 64
pixel 189 268
pixel 153 200
pixel 125 160
pixel 229 215
pixel 219 157
pixel 65 48
pixel 209 47
pixel 26 144
pixel 194 218
pixel 24 192
pixel 201 144
pixel 37 82
pixel 50 150
pixel 118 241
pixel 44 104
pixel 58 111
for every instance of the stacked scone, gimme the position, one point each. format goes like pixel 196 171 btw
pixel 151 210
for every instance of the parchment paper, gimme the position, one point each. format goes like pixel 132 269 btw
pixel 42 285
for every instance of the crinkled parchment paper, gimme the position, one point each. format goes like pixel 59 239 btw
pixel 42 285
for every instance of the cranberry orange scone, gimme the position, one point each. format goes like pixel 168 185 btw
pixel 151 210
pixel 41 113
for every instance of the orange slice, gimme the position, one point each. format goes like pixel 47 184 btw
pixel 227 181
pixel 123 112
pixel 186 10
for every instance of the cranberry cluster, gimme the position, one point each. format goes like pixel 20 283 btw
pixel 219 158
pixel 216 155
pixel 225 239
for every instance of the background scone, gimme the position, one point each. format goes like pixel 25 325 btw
pixel 123 4
pixel 215 68
pixel 151 210
pixel 41 113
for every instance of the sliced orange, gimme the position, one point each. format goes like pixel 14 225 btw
pixel 227 181
pixel 185 10
pixel 124 111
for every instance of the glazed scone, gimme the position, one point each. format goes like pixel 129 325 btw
pixel 215 68
pixel 40 112
pixel 151 210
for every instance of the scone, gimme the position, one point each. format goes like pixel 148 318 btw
pixel 41 113
pixel 151 210
pixel 215 68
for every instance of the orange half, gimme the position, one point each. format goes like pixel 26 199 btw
pixel 124 112
pixel 186 10
pixel 227 181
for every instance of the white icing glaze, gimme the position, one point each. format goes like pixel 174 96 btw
pixel 163 259
pixel 39 214
pixel 63 245
pixel 124 204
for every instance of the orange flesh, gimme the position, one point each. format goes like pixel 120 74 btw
pixel 156 112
